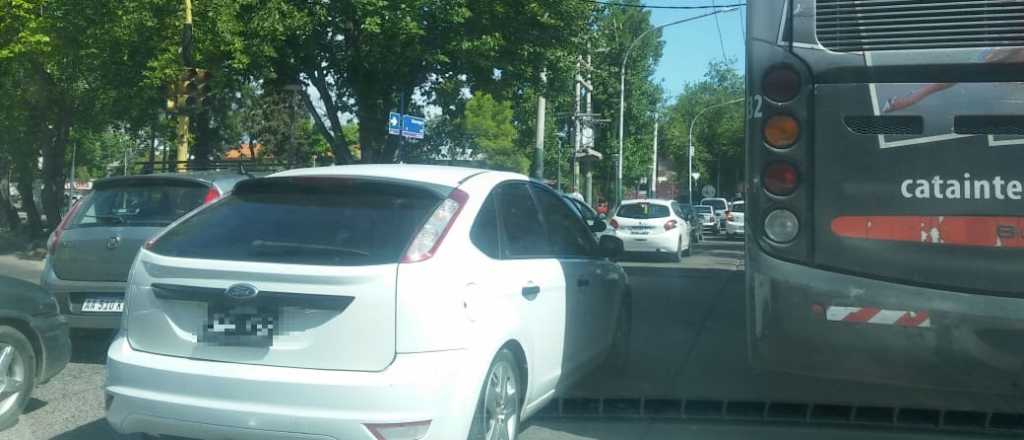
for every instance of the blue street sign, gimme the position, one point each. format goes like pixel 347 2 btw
pixel 413 127
pixel 393 123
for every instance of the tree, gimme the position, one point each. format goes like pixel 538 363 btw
pixel 488 127
pixel 718 135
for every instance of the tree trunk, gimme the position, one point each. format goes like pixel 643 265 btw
pixel 25 177
pixel 53 171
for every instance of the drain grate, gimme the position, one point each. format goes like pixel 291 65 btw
pixel 782 411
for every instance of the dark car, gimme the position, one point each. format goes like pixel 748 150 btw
pixel 694 219
pixel 90 252
pixel 34 344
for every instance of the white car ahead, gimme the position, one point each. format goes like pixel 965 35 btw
pixel 651 225
pixel 365 302
pixel 734 220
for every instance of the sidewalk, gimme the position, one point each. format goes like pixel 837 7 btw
pixel 26 269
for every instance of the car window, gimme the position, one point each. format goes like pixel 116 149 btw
pixel 139 204
pixel 719 205
pixel 704 209
pixel 522 233
pixel 305 221
pixel 643 211
pixel 585 211
pixel 738 207
pixel 567 234
pixel 484 233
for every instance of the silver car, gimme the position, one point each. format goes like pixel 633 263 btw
pixel 91 251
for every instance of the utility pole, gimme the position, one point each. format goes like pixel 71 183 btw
pixel 654 160
pixel 538 153
pixel 187 61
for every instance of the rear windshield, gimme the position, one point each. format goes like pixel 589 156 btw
pixel 156 203
pixel 719 205
pixel 643 210
pixel 738 207
pixel 318 221
pixel 704 209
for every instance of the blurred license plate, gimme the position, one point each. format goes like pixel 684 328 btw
pixel 640 230
pixel 246 325
pixel 103 305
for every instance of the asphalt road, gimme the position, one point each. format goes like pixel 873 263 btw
pixel 688 342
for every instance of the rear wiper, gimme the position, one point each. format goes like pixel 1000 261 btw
pixel 312 247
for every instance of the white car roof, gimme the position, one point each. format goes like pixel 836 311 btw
pixel 654 201
pixel 437 174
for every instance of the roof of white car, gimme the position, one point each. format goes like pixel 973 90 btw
pixel 656 201
pixel 438 174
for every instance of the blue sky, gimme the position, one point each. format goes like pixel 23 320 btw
pixel 690 46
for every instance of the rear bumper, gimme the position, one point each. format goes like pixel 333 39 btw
pixel 212 400
pixel 664 242
pixel 734 228
pixel 826 324
pixel 71 294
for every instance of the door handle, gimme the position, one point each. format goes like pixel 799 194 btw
pixel 531 292
pixel 583 282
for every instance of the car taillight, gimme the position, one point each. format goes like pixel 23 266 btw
pixel 430 236
pixel 781 84
pixel 781 226
pixel 211 195
pixel 780 178
pixel 670 225
pixel 51 245
pixel 614 224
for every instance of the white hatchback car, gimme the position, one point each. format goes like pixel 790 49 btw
pixel 364 302
pixel 734 225
pixel 651 225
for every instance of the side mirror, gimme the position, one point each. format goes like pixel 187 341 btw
pixel 598 226
pixel 602 216
pixel 610 247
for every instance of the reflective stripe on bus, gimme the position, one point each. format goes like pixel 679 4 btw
pixel 873 315
pixel 985 231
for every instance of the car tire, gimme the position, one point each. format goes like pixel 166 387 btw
pixel 17 375
pixel 689 250
pixel 618 354
pixel 677 256
pixel 506 399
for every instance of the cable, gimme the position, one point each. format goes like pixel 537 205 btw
pixel 719 27
pixel 627 5
pixel 743 26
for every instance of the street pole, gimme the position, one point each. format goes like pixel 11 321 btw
pixel 654 160
pixel 186 61
pixel 538 153
pixel 622 90
pixel 690 135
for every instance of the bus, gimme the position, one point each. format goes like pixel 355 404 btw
pixel 885 164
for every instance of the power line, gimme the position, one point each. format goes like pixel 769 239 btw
pixel 719 27
pixel 627 5
pixel 743 27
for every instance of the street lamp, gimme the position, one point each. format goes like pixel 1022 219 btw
pixel 622 88
pixel 690 135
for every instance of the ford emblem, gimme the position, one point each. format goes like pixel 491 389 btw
pixel 241 291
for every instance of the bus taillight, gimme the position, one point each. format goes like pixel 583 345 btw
pixel 781 226
pixel 781 131
pixel 781 84
pixel 780 178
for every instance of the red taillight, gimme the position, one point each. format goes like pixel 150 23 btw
pixel 430 236
pixel 670 225
pixel 781 84
pixel 615 224
pixel 51 246
pixel 780 178
pixel 212 195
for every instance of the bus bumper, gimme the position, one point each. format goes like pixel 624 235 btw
pixel 826 324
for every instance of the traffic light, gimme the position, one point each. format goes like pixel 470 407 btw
pixel 190 93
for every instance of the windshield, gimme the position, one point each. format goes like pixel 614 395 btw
pixel 643 211
pixel 511 219
pixel 141 204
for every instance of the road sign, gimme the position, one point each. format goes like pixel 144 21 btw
pixel 708 191
pixel 413 127
pixel 394 120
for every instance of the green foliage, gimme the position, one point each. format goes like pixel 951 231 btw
pixel 488 126
pixel 718 134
